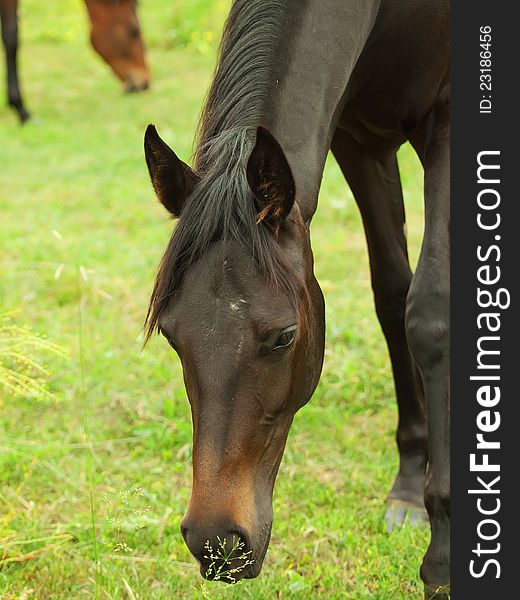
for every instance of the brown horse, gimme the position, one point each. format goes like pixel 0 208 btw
pixel 115 35
pixel 236 295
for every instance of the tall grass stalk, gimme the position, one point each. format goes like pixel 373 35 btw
pixel 88 456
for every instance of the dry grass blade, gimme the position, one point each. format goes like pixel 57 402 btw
pixel 129 590
pixel 33 553
pixel 6 543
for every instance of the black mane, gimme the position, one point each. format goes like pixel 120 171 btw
pixel 222 206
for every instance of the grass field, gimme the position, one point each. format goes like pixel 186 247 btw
pixel 95 479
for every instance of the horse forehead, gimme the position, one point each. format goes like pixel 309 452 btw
pixel 223 289
pixel 226 271
pixel 213 315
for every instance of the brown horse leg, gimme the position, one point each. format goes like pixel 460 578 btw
pixel 376 185
pixel 428 331
pixel 9 19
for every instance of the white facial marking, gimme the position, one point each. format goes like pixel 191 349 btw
pixel 240 344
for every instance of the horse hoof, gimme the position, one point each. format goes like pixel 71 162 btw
pixel 436 592
pixel 400 511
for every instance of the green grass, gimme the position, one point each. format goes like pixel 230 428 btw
pixel 94 482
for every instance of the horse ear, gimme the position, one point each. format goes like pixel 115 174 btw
pixel 172 180
pixel 270 179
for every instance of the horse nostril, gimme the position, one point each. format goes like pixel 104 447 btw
pixel 184 531
pixel 238 542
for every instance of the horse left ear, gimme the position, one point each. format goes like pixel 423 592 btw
pixel 172 179
pixel 270 179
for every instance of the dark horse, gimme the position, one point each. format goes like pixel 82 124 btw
pixel 236 296
pixel 114 33
pixel 9 22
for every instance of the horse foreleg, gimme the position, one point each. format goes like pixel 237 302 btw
pixel 428 331
pixel 376 185
pixel 9 19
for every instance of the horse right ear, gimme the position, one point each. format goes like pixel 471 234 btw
pixel 172 179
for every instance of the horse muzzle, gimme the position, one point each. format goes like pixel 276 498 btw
pixel 136 82
pixel 225 551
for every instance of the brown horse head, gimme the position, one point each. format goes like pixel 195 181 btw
pixel 115 34
pixel 237 299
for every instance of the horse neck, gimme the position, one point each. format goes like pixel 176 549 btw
pixel 312 69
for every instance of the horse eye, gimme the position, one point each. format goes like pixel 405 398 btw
pixel 170 343
pixel 133 32
pixel 286 338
